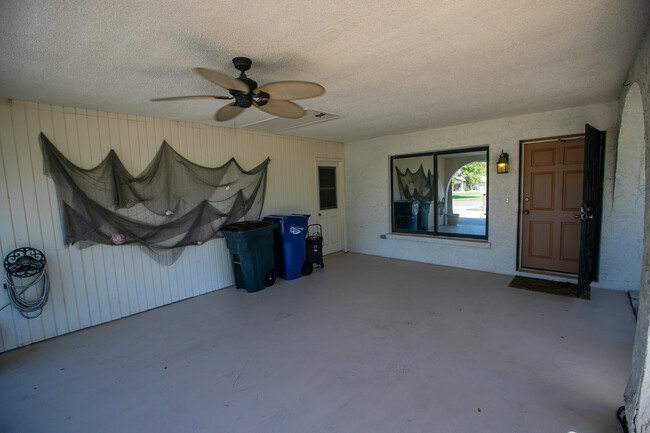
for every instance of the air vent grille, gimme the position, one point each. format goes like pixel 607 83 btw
pixel 280 124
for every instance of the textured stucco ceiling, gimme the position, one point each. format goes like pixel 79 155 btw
pixel 388 66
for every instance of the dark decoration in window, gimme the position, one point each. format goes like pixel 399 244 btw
pixel 415 185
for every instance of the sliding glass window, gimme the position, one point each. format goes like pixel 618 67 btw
pixel 441 193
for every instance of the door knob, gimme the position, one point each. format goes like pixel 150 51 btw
pixel 585 213
pixel 526 212
pixel 576 216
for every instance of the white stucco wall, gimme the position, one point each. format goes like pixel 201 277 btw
pixel 368 186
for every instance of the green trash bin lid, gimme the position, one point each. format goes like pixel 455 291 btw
pixel 243 226
pixel 248 235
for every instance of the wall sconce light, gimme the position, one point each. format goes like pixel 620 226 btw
pixel 502 163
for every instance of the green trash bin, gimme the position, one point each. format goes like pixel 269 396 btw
pixel 251 250
pixel 405 214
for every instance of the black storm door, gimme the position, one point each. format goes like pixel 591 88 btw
pixel 591 210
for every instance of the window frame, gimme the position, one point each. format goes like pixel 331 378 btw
pixel 435 233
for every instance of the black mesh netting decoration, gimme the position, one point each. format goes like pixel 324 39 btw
pixel 173 203
pixel 415 186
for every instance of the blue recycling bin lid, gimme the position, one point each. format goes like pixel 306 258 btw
pixel 295 224
pixel 295 217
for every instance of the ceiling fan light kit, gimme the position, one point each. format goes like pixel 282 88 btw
pixel 272 98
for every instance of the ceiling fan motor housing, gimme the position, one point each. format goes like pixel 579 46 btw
pixel 243 100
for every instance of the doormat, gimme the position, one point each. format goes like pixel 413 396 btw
pixel 548 286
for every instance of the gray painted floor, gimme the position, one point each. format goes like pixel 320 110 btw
pixel 367 344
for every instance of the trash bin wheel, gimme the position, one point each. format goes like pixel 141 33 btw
pixel 269 278
pixel 307 268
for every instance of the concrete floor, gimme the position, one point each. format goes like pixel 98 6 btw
pixel 367 344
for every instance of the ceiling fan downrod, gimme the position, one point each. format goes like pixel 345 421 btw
pixel 243 100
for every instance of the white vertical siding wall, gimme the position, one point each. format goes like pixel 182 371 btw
pixel 103 283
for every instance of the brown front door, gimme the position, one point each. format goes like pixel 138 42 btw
pixel 552 196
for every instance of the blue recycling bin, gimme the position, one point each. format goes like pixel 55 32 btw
pixel 289 244
pixel 423 215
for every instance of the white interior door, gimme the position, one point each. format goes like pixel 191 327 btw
pixel 330 201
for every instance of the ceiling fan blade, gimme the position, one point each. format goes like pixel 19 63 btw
pixel 183 98
pixel 228 112
pixel 223 80
pixel 281 108
pixel 291 90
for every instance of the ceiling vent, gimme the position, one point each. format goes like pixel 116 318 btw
pixel 280 124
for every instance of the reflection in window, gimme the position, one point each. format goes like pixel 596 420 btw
pixel 441 193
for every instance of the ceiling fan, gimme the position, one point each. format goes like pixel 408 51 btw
pixel 273 98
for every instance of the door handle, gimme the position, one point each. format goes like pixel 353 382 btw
pixel 584 214
pixel 576 216
pixel 526 212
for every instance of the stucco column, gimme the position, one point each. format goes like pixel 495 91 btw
pixel 637 394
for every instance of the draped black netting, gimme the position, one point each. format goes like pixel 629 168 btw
pixel 415 186
pixel 173 203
